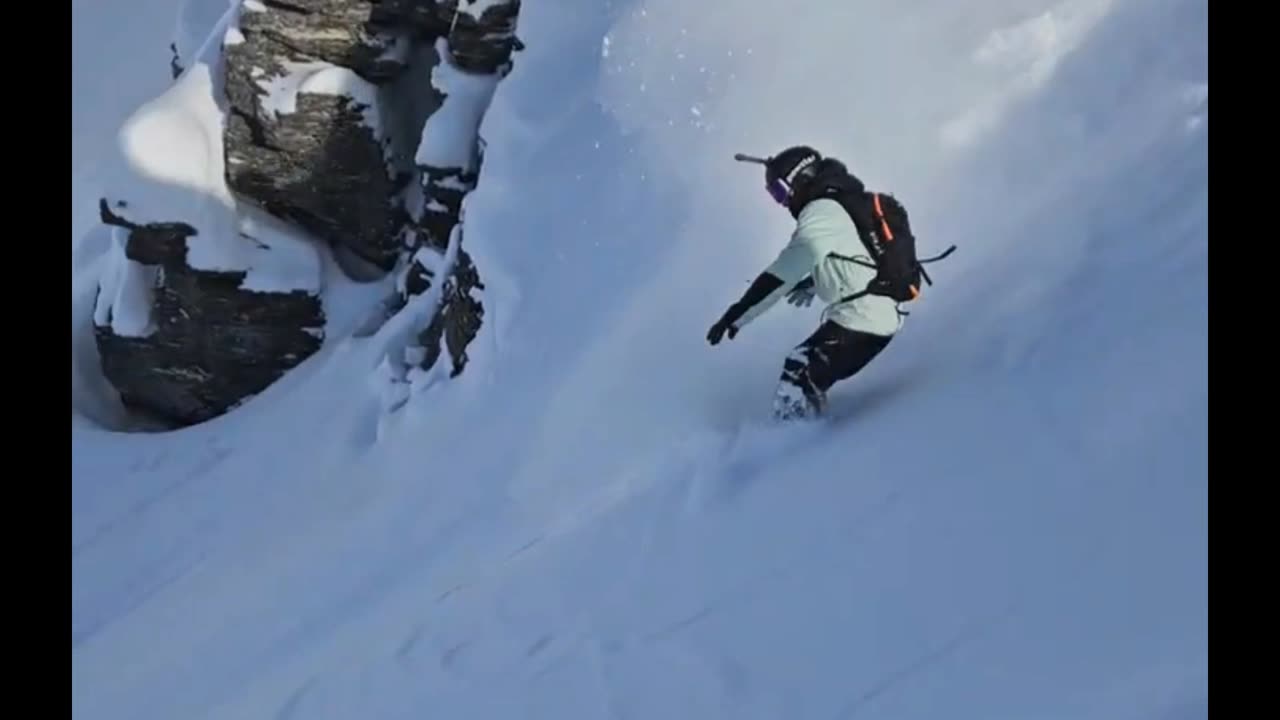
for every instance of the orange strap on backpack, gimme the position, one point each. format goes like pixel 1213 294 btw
pixel 884 224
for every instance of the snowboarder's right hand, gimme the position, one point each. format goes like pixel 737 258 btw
pixel 718 330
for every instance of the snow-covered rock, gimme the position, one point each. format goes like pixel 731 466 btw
pixel 482 32
pixel 308 137
pixel 375 158
pixel 290 125
pixel 202 302
pixel 457 321
pixel 329 101
pixel 449 151
pixel 448 157
pixel 186 344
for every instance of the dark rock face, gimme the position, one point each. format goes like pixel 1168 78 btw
pixel 459 318
pixel 461 311
pixel 213 344
pixel 319 159
pixel 323 170
pixel 335 31
pixel 444 190
pixel 481 46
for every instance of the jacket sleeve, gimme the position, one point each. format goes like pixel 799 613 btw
pixel 792 266
pixel 760 295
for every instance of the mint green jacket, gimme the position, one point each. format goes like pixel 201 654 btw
pixel 823 228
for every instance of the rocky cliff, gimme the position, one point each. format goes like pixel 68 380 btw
pixel 208 341
pixel 353 125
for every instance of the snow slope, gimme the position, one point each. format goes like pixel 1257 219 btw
pixel 1006 519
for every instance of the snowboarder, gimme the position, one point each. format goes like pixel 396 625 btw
pixel 862 270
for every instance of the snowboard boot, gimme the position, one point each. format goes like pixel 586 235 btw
pixel 791 402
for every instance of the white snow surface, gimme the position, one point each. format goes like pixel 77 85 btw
pixel 126 292
pixel 1005 518
pixel 172 149
pixel 276 258
pixel 449 135
pixel 196 18
pixel 112 75
pixel 322 78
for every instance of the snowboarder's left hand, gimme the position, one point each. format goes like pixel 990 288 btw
pixel 802 294
pixel 718 330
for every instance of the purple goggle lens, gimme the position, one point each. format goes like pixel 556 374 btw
pixel 778 191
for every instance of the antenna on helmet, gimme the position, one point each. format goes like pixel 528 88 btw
pixel 750 159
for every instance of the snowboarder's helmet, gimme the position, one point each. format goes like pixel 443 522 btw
pixel 788 169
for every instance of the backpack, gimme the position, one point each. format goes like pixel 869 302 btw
pixel 885 230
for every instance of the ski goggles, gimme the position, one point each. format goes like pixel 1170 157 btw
pixel 778 190
pixel 777 187
pixel 781 190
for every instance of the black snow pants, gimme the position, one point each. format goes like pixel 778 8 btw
pixel 831 354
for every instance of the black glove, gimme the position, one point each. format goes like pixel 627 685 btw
pixel 718 330
pixel 759 290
